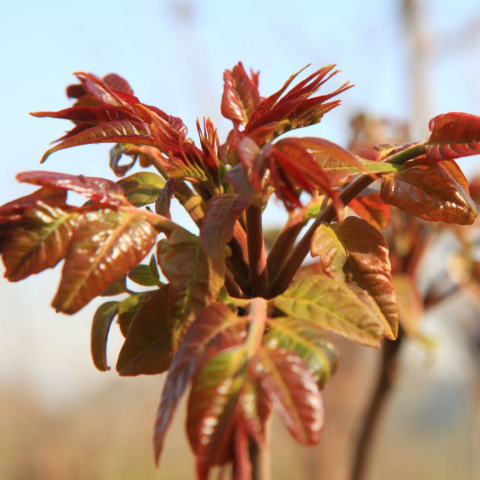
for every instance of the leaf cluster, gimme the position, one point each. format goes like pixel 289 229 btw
pixel 246 328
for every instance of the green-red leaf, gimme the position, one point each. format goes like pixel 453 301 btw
pixel 293 392
pixel 106 244
pixel 142 275
pixel 308 341
pixel 99 190
pixel 332 306
pixel 356 253
pixel 124 131
pixel 211 322
pixel 142 188
pixel 148 346
pixel 372 209
pixel 102 321
pixel 38 241
pixel 195 278
pixel 240 95
pixel 211 411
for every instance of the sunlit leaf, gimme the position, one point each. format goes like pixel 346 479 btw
pixel 211 408
pixel 453 135
pixel 102 321
pixel 213 320
pixel 148 345
pixel 142 188
pixel 308 341
pixel 372 209
pixel 15 209
pixel 90 115
pixel 292 167
pixel 195 278
pixel 99 190
pixel 293 392
pixel 124 131
pixel 219 222
pixel 332 306
pixel 339 164
pixel 430 192
pixel 106 244
pixel 356 253
pixel 240 95
pixel 295 109
pixel 117 83
pixel 38 241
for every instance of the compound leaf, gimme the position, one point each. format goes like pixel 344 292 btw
pixel 356 253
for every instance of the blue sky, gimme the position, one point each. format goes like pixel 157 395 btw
pixel 173 54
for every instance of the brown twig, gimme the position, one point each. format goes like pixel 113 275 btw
pixel 386 380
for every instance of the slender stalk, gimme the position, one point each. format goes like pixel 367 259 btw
pixel 260 455
pixel 286 239
pixel 286 273
pixel 256 252
pixel 232 286
pixel 386 381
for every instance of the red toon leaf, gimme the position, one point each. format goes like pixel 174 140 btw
pixel 240 95
pixel 430 191
pixel 372 209
pixel 453 135
pixel 293 392
pixel 99 190
pixel 207 326
pixel 106 244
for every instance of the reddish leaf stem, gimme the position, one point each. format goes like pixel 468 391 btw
pixel 286 273
pixel 232 286
pixel 256 252
pixel 260 455
pixel 283 244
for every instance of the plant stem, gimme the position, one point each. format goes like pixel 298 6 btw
pixel 286 273
pixel 260 455
pixel 256 252
pixel 386 381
